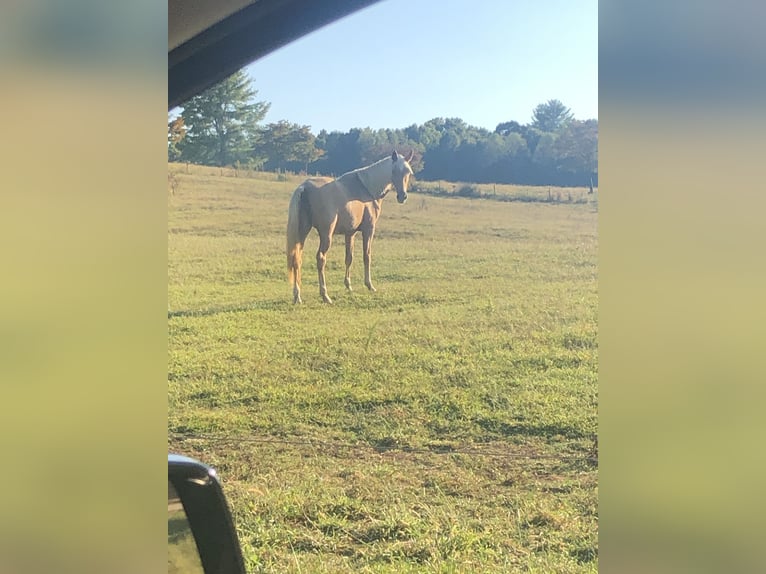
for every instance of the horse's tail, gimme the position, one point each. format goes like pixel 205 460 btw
pixel 295 237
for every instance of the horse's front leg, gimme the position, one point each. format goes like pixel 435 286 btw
pixel 324 245
pixel 349 258
pixel 367 244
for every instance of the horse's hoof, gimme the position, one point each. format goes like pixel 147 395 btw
pixel 371 288
pixel 328 300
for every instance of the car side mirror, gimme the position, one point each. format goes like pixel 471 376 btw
pixel 201 533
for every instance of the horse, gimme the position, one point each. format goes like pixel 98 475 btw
pixel 342 206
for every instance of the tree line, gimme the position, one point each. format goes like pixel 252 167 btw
pixel 223 127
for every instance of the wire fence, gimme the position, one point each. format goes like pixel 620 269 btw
pixel 508 452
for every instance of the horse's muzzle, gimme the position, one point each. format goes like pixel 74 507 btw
pixel 401 198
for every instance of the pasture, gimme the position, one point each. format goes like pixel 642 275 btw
pixel 446 423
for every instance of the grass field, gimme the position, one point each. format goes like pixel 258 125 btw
pixel 446 423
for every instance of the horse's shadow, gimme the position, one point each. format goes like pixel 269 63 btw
pixel 268 305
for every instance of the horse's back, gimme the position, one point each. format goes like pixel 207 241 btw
pixel 316 182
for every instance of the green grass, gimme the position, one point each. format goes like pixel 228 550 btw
pixel 446 423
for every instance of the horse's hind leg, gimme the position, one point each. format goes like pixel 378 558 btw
pixel 349 259
pixel 324 245
pixel 297 284
pixel 294 270
pixel 297 263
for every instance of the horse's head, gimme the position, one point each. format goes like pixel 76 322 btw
pixel 400 174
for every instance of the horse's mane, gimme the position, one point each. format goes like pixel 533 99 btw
pixel 387 158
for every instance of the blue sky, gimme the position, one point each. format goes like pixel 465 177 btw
pixel 401 62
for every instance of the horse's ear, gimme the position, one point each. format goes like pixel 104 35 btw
pixel 394 156
pixel 409 157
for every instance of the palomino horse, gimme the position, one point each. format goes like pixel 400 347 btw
pixel 344 206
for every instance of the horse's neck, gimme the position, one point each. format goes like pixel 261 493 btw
pixel 376 177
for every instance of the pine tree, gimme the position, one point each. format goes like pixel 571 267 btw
pixel 222 123
pixel 551 116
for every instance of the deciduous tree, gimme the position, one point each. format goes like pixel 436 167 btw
pixel 176 134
